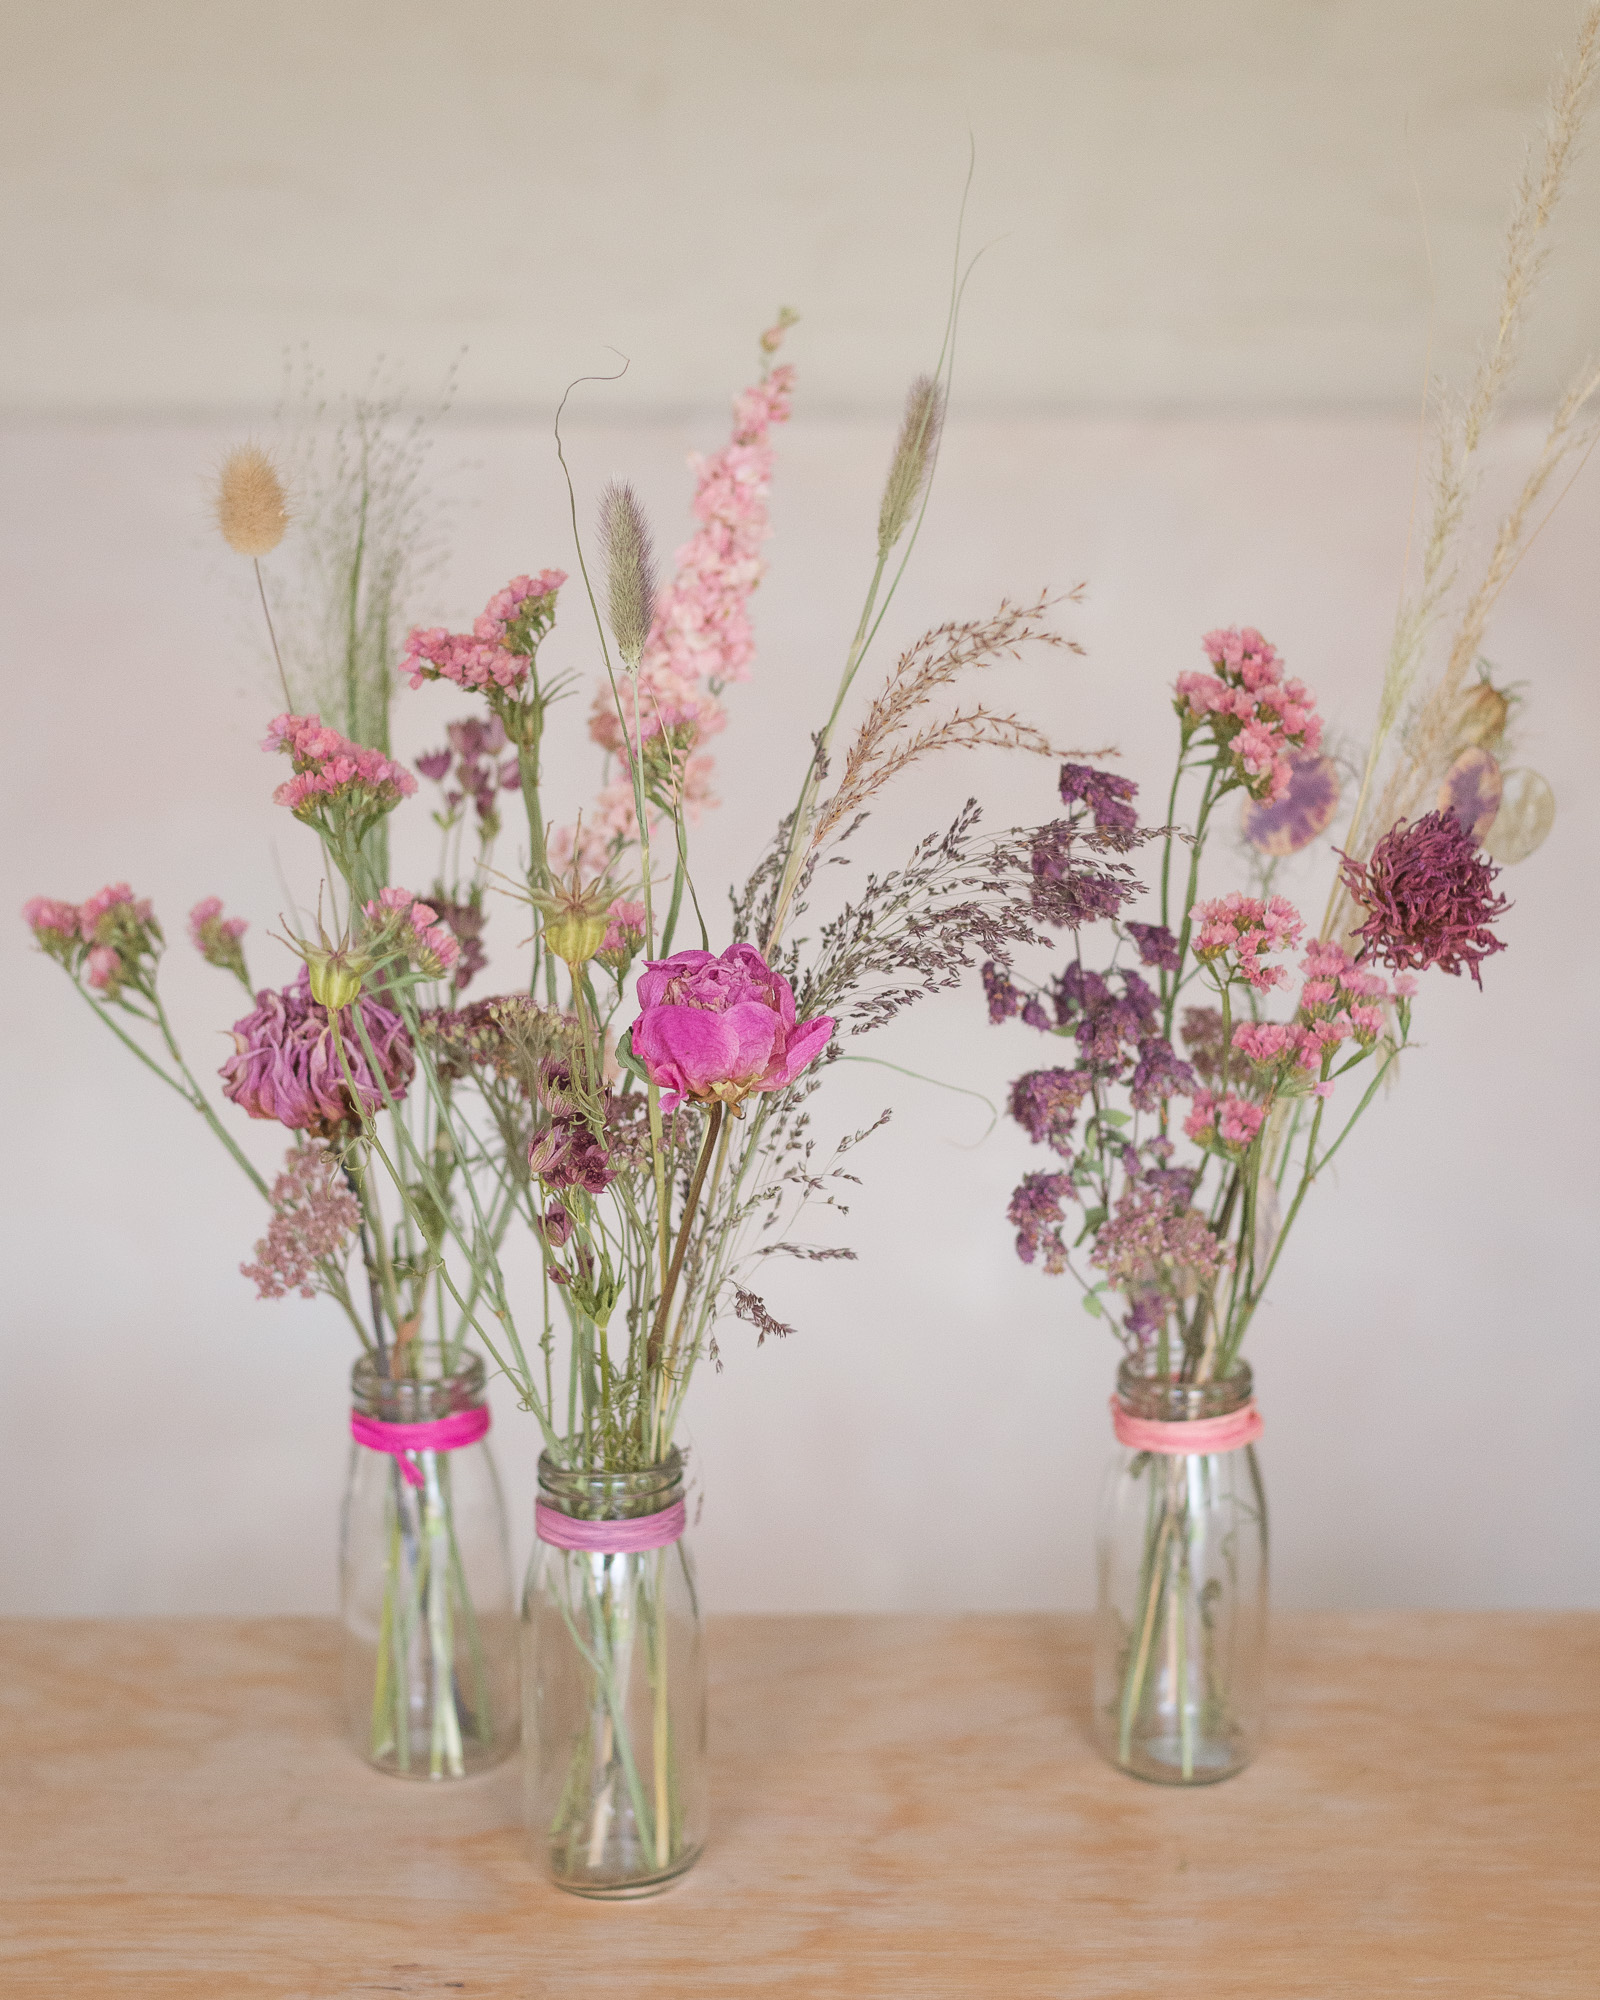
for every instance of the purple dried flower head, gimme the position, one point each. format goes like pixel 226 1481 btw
pixel 566 1154
pixel 999 990
pixel 1045 1104
pixel 1034 1016
pixel 1106 1023
pixel 1069 888
pixel 1108 797
pixel 557 1226
pixel 434 765
pixel 314 1217
pixel 1428 894
pixel 1159 1074
pixel 1157 946
pixel 285 1064
pixel 556 1090
pixel 1036 1212
pixel 1304 809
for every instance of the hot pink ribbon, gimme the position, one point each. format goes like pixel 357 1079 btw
pixel 1183 1439
pixel 609 1538
pixel 450 1433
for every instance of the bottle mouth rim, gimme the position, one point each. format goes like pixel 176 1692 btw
pixel 658 1478
pixel 1168 1399
pixel 437 1392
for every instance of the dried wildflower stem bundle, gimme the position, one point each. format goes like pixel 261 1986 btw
pixel 635 1112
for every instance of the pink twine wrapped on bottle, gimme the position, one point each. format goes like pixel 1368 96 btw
pixel 462 1427
pixel 1186 1438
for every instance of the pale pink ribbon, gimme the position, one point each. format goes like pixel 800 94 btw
pixel 1183 1439
pixel 609 1538
pixel 450 1433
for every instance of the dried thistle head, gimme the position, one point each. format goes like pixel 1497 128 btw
pixel 913 460
pixel 630 571
pixel 252 511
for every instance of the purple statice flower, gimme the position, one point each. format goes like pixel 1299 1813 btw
pixel 1034 1016
pixel 465 922
pixel 1157 945
pixel 1201 1029
pixel 1104 1022
pixel 1045 1104
pixel 285 1065
pixel 1428 895
pixel 1036 1212
pixel 1070 888
pixel 434 765
pixel 1159 1074
pixel 314 1216
pixel 1001 992
pixel 1108 797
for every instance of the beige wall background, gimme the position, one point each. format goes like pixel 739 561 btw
pixel 1190 363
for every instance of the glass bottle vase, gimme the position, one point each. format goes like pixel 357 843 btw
pixel 1180 1637
pixel 430 1630
pixel 614 1695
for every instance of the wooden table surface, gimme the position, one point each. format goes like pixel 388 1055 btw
pixel 902 1806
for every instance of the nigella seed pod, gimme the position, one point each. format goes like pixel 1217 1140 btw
pixel 252 511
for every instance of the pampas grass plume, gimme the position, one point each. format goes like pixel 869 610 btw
pixel 630 571
pixel 251 509
pixel 913 460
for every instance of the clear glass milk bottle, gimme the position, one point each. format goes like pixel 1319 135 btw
pixel 1179 1685
pixel 430 1630
pixel 614 1693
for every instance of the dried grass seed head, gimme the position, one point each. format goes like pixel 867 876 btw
pixel 914 453
pixel 252 510
pixel 630 571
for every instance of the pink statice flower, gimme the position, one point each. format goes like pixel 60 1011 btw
pixel 495 657
pixel 624 935
pixel 55 928
pixel 1254 714
pixel 341 788
pixel 286 1065
pixel 720 1028
pixel 105 970
pixel 1235 934
pixel 123 939
pixel 1226 1121
pixel 401 922
pixel 1428 894
pixel 217 938
pixel 314 1217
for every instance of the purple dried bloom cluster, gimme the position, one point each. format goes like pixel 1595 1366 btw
pixel 1157 945
pixel 1108 798
pixel 1070 888
pixel 314 1217
pixel 286 1064
pixel 1045 1104
pixel 1037 1215
pixel 1429 897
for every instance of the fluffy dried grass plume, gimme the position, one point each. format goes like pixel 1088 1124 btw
pixel 252 511
pixel 914 453
pixel 630 571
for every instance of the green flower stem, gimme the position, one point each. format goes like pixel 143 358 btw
pixel 1201 827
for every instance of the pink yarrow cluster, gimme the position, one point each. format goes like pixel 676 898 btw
pixel 495 656
pixel 400 918
pixel 314 1217
pixel 1245 931
pixel 1257 715
pixel 330 769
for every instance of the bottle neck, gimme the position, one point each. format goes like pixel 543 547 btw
pixel 1162 1399
pixel 589 1495
pixel 423 1398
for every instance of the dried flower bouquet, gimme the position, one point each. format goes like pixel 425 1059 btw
pixel 637 1106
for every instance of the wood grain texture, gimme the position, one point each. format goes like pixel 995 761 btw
pixel 902 1806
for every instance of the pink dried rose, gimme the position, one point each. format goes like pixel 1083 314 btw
pixel 720 1028
pixel 285 1064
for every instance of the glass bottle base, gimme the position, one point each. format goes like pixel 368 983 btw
pixel 598 1889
